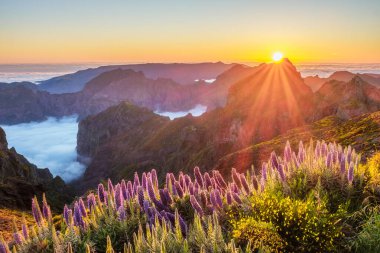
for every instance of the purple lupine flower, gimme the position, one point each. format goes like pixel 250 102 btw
pixel 167 180
pixel 46 209
pixel 218 198
pixel 236 177
pixel 169 199
pixel 274 160
pixel 187 180
pixel 219 179
pixel 107 198
pixel 297 160
pixel 262 184
pixel 203 198
pixel 229 197
pixel 181 180
pixel 4 247
pixel 287 152
pixel 110 188
pixel 119 199
pixel 146 207
pixel 154 178
pixel 91 202
pixel 179 189
pixel 264 172
pixel 183 225
pixel 171 186
pixel 78 219
pixel 196 188
pixel 101 192
pixel 343 164
pixel 234 188
pixel 140 195
pixel 281 172
pixel 349 154
pixel 236 197
pixel 124 190
pixel 66 215
pixel 212 199
pixel 144 181
pixel 191 188
pixel 301 153
pixel 255 183
pixel 213 183
pixel 244 183
pixel 198 176
pixel 207 181
pixel 195 205
pixel 136 183
pixel 329 160
pixel 130 192
pixel 324 148
pixel 18 238
pixel 350 175
pixel 163 197
pixel 82 208
pixel 25 230
pixel 121 213
pixel 36 211
pixel 150 190
pixel 317 150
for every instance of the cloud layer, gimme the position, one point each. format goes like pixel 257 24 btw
pixel 196 111
pixel 49 144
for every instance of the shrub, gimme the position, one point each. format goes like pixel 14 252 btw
pixel 257 235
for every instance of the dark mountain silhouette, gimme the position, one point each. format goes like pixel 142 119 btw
pixel 181 73
pixel 20 103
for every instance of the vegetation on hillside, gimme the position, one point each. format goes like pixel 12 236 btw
pixel 318 198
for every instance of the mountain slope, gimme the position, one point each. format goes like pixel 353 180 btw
pixel 255 111
pixel 362 133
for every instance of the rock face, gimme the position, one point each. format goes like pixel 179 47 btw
pixel 20 180
pixel 316 82
pixel 348 99
pixel 125 139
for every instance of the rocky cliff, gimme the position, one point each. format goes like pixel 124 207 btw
pixel 20 180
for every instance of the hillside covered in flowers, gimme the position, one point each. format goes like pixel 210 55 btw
pixel 312 198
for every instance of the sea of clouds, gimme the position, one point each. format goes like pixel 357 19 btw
pixel 48 144
pixel 198 110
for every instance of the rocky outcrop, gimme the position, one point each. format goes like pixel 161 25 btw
pixel 348 99
pixel 20 181
pixel 316 82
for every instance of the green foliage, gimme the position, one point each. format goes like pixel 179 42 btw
pixel 257 235
pixel 368 240
pixel 305 226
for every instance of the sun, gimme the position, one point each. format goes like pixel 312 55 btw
pixel 277 56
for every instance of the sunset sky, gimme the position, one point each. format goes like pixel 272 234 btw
pixel 188 31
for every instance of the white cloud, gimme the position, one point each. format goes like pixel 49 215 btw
pixel 196 111
pixel 48 144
